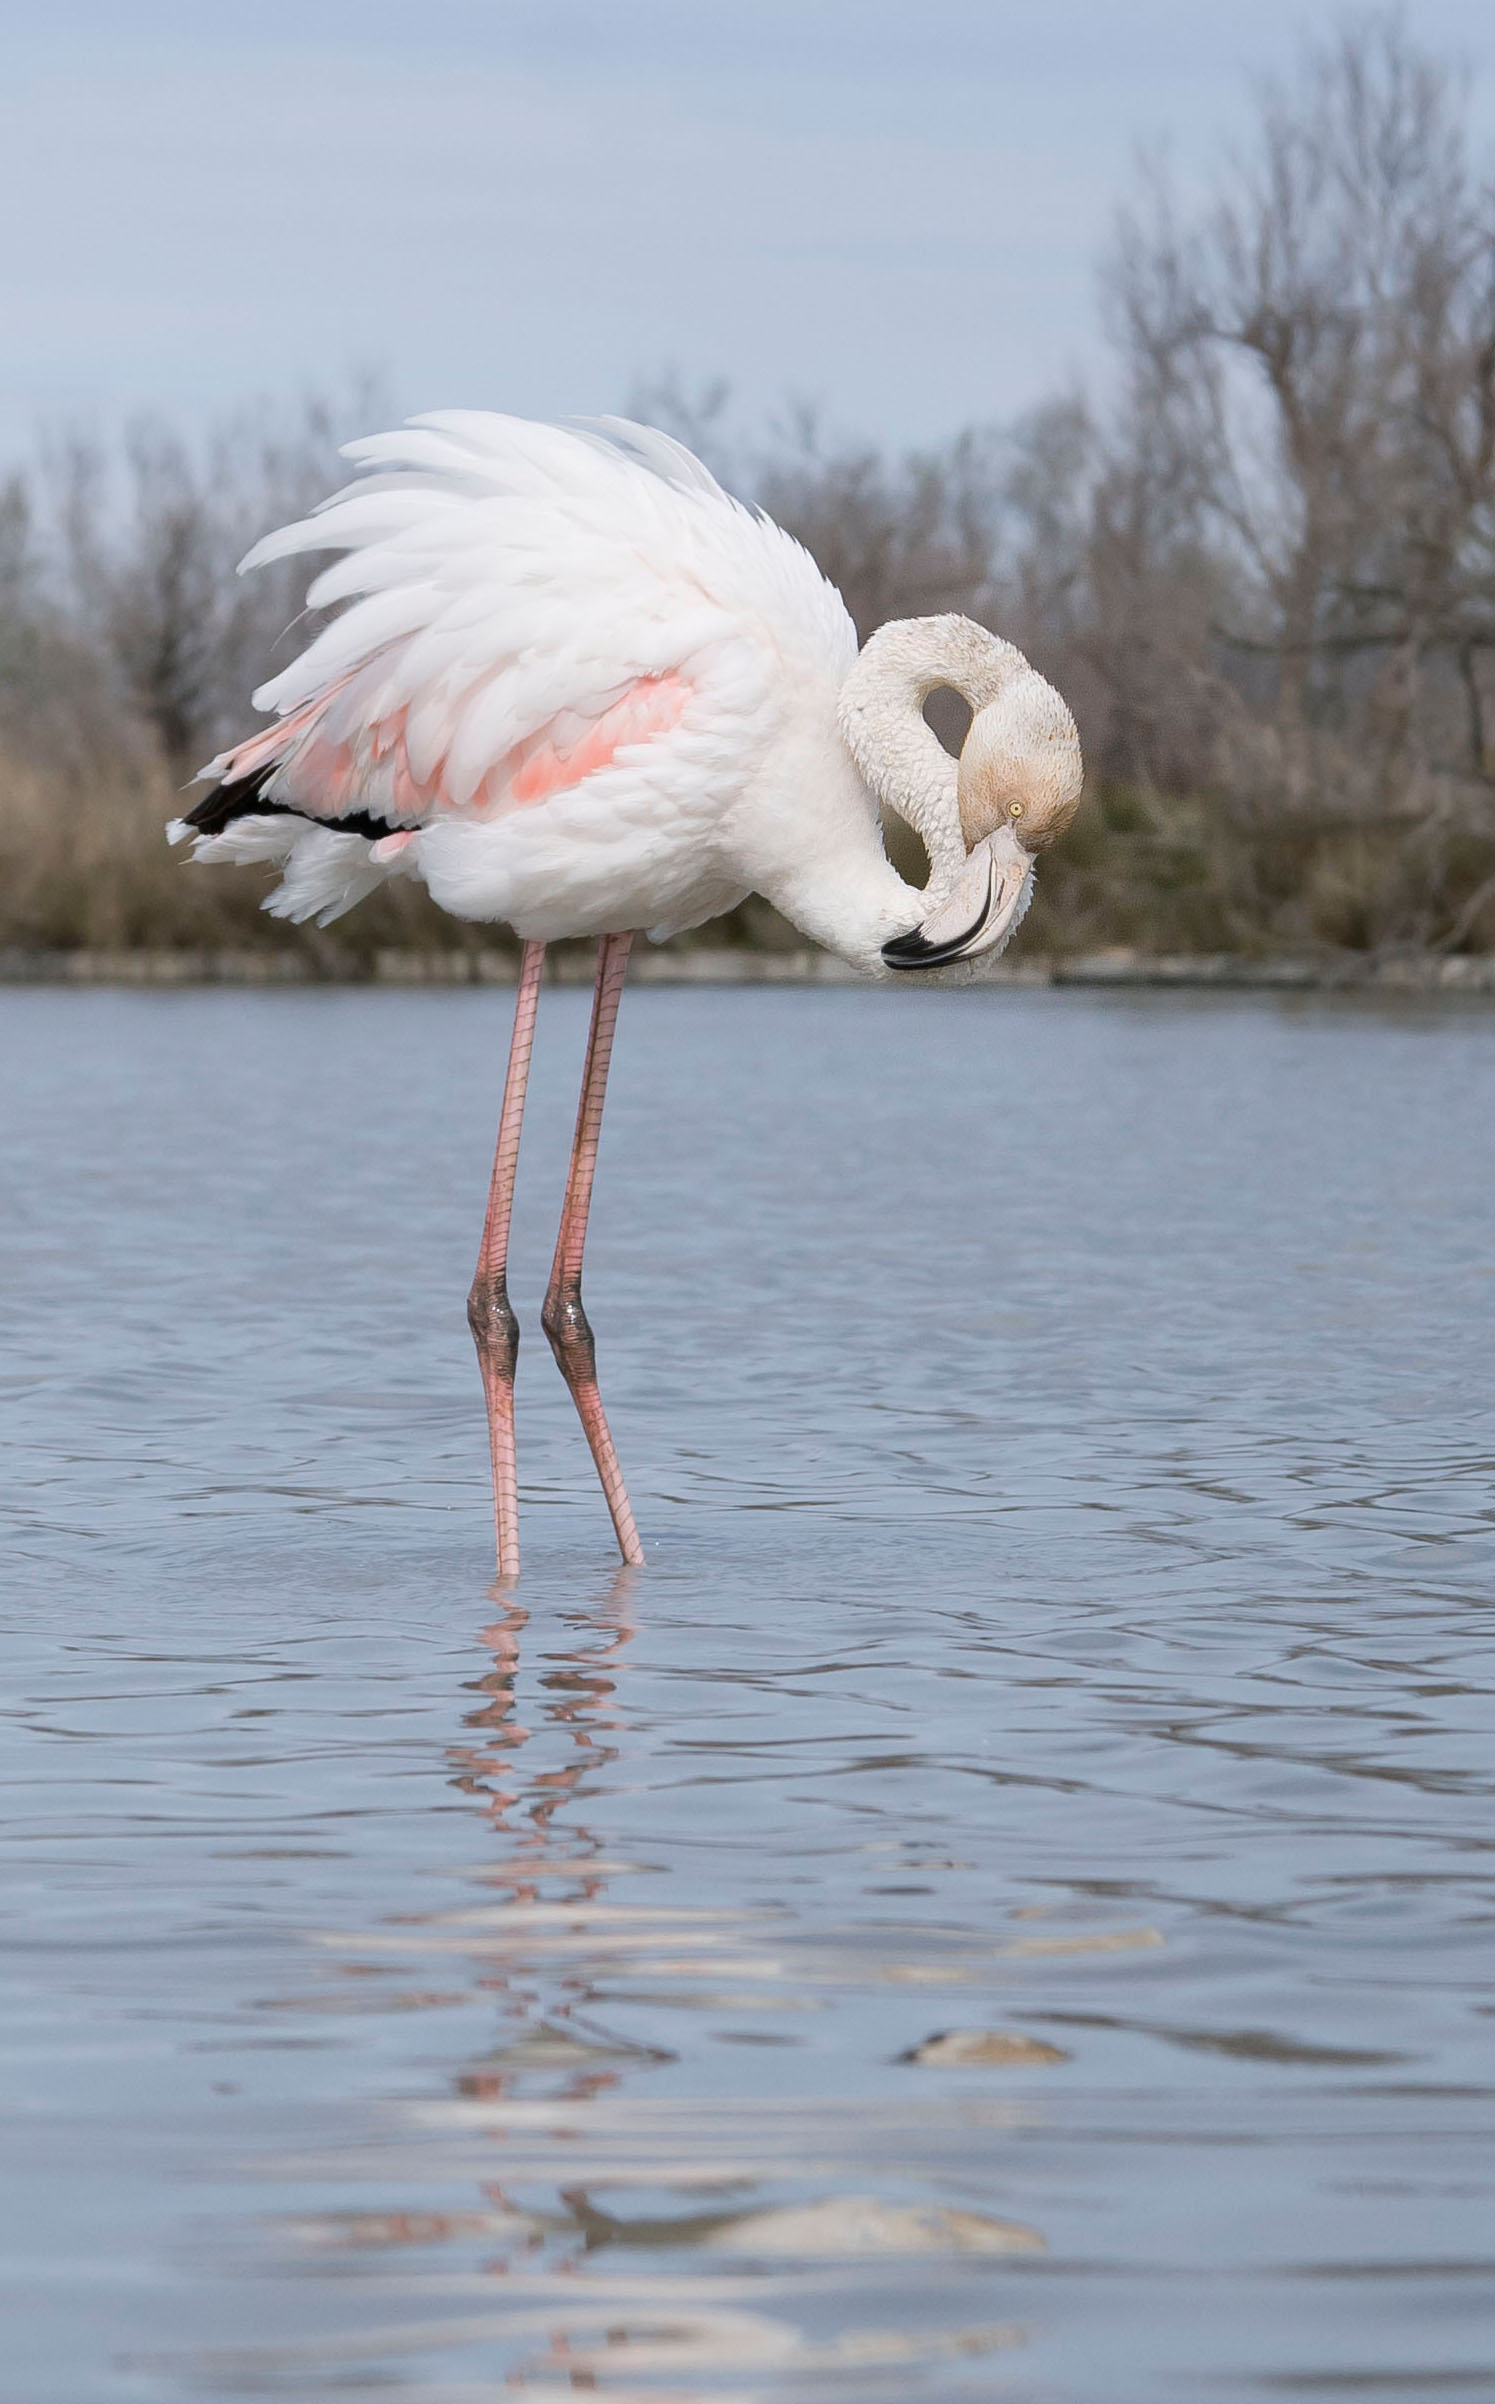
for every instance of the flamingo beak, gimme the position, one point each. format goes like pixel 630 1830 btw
pixel 979 912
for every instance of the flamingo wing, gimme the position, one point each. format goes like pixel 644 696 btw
pixel 525 608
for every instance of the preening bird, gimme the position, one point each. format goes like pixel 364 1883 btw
pixel 578 689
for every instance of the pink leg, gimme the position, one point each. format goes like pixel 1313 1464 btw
pixel 563 1319
pixel 494 1326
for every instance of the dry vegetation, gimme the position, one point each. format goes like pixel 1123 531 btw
pixel 1264 574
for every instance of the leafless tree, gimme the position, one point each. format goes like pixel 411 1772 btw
pixel 1318 354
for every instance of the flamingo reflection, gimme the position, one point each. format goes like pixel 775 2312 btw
pixel 553 2288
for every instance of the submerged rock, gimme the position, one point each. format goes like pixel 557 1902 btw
pixel 982 2049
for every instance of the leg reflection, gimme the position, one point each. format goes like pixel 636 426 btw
pixel 553 1870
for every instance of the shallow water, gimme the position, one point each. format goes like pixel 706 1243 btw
pixel 1061 1431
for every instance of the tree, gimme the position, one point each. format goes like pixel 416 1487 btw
pixel 1317 357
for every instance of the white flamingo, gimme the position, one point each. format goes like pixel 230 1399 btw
pixel 580 690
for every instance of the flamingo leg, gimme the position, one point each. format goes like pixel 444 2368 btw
pixel 563 1319
pixel 489 1313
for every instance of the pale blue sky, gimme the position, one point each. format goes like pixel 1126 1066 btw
pixel 893 207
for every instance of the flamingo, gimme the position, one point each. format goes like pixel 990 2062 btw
pixel 577 688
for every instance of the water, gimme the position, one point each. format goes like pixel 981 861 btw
pixel 1061 1431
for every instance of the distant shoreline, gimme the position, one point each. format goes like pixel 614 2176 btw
pixel 723 965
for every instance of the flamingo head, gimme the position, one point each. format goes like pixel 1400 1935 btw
pixel 1018 787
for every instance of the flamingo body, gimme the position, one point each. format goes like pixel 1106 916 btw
pixel 589 689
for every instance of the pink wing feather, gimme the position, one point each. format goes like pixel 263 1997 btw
pixel 326 764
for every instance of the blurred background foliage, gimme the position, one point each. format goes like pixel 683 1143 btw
pixel 1260 565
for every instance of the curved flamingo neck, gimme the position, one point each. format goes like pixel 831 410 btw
pixel 899 757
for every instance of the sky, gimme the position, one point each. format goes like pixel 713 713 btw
pixel 893 209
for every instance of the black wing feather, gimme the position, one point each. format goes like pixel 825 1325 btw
pixel 244 797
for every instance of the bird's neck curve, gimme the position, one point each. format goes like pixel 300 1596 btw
pixel 898 755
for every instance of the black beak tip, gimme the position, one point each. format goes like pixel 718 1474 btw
pixel 914 950
pixel 911 951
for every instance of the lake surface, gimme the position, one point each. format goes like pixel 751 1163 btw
pixel 1061 1428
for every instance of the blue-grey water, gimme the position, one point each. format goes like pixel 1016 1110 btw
pixel 1062 1431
